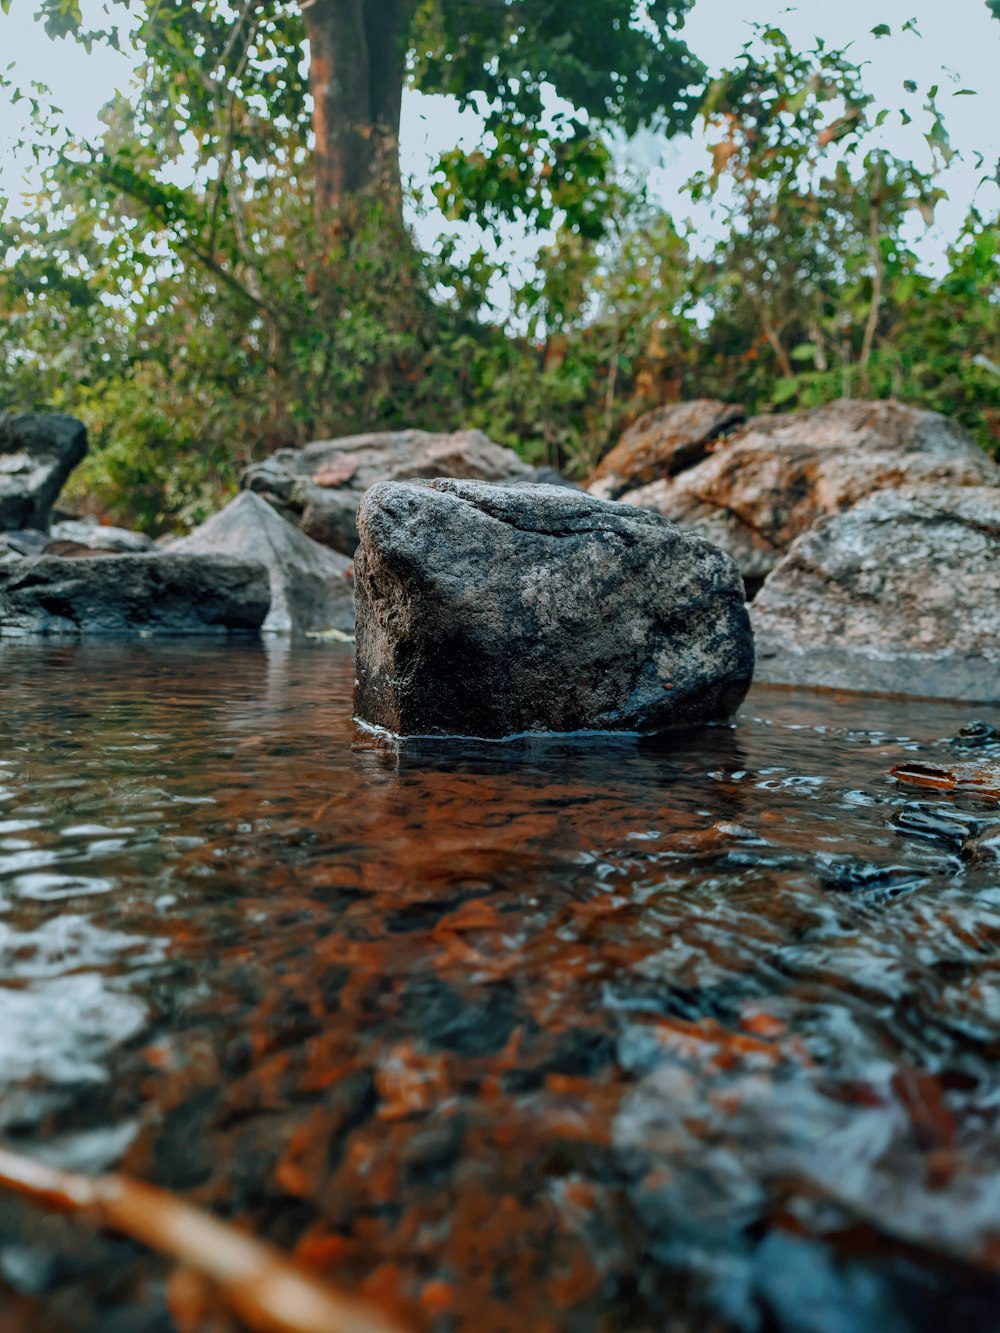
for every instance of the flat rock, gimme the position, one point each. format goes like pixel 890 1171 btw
pixel 132 594
pixel 310 590
pixel 783 473
pixel 38 451
pixel 319 488
pixel 87 534
pixel 493 610
pixel 662 443
pixel 901 594
pixel 17 544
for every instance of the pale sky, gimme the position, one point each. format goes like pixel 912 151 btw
pixel 958 47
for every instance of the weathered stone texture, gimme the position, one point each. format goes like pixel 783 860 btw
pixel 901 594
pixel 494 610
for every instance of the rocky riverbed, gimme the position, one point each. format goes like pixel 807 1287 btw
pixel 575 1034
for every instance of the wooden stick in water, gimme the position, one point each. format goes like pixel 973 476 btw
pixel 266 1289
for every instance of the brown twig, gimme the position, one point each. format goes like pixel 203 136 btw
pixel 267 1290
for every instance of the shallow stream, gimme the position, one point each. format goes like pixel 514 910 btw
pixel 580 1035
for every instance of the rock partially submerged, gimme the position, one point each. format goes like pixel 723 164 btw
pixel 663 443
pixel 901 594
pixel 132 594
pixel 310 591
pixel 38 451
pixel 782 474
pixel 319 488
pixel 495 610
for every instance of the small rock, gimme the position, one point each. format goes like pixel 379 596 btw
pixel 899 595
pixel 38 451
pixel 132 594
pixel 976 735
pixel 319 488
pixel 310 591
pixel 20 544
pixel 496 610
pixel 977 779
pixel 663 443
pixel 87 534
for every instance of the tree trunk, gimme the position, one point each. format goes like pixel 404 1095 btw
pixel 356 71
pixel 878 280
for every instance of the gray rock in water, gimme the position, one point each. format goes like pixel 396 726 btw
pixel 132 594
pixel 901 594
pixel 494 610
pixel 781 474
pixel 319 488
pixel 88 534
pixel 310 591
pixel 38 451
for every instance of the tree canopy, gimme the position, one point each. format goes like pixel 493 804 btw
pixel 185 285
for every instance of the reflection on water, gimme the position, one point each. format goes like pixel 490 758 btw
pixel 563 1035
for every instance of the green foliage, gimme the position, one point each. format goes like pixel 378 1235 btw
pixel 197 326
pixel 618 64
pixel 814 211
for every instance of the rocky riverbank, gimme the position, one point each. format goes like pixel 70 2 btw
pixel 867 535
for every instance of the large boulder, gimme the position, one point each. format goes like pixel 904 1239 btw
pixel 663 443
pixel 491 610
pixel 319 488
pixel 310 590
pixel 901 594
pixel 38 451
pixel 132 594
pixel 754 496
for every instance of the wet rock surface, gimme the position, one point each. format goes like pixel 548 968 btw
pixel 492 610
pixel 900 594
pixel 662 443
pixel 38 451
pixel 131 594
pixel 582 1035
pixel 319 488
pixel 310 590
pixel 781 474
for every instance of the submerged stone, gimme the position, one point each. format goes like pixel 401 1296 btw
pixel 131 594
pixel 492 610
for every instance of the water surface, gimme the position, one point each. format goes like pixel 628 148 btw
pixel 580 1035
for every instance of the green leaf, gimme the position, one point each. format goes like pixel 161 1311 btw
pixel 910 85
pixel 5 6
pixel 804 352
pixel 882 30
pixel 965 92
pixel 784 391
